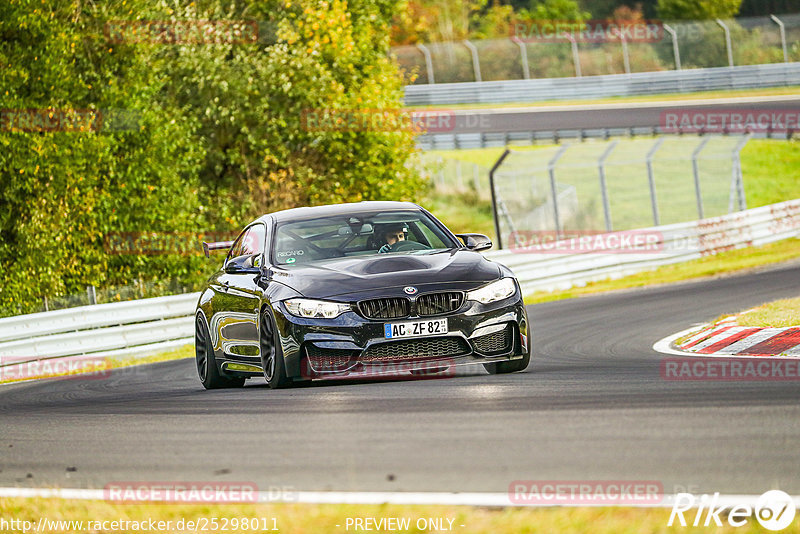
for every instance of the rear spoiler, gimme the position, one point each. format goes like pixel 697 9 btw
pixel 219 245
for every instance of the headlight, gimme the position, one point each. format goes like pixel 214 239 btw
pixel 315 308
pixel 499 290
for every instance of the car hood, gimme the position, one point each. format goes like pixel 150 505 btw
pixel 341 276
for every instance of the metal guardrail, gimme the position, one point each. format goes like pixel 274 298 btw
pixel 149 325
pixel 95 316
pixel 543 271
pixel 117 329
pixel 640 83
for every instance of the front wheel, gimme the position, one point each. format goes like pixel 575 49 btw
pixel 271 353
pixel 206 363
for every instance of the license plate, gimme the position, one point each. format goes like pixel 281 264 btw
pixel 415 328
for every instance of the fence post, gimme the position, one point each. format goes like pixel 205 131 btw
pixel 603 189
pixel 494 197
pixel 46 307
pixel 523 54
pixel 727 42
pixel 675 50
pixel 651 179
pixel 782 28
pixel 575 59
pixel 476 62
pixel 428 61
pixel 696 173
pixel 737 181
pixel 626 59
pixel 551 170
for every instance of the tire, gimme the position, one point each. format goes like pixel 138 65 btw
pixel 206 363
pixel 513 366
pixel 272 354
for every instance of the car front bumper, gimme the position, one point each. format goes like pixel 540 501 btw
pixel 352 346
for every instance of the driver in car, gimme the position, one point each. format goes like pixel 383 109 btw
pixel 392 235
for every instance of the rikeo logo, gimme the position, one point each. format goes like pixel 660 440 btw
pixel 774 510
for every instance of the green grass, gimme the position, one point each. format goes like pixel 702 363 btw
pixel 778 314
pixel 733 93
pixel 769 169
pixel 106 364
pixel 313 518
pixel 723 263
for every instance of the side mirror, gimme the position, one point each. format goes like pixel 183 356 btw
pixel 242 265
pixel 476 242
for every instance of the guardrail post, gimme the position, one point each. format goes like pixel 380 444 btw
pixel 90 292
pixel 782 28
pixel 476 62
pixel 626 59
pixel 675 50
pixel 727 41
pixel 575 59
pixel 551 170
pixel 523 54
pixel 696 173
pixel 651 179
pixel 737 181
pixel 603 189
pixel 494 197
pixel 428 61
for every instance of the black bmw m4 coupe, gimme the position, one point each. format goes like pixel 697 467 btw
pixel 356 290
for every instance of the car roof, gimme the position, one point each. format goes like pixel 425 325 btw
pixel 312 212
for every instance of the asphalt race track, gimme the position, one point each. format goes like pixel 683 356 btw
pixel 603 116
pixel 592 406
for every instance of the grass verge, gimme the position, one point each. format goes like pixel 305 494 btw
pixel 85 367
pixel 777 314
pixel 723 263
pixel 308 518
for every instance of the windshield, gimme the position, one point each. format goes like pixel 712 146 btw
pixel 363 234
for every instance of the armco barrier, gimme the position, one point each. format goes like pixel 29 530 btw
pixel 148 325
pixel 640 83
pixel 136 327
pixel 680 242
